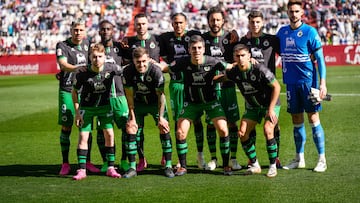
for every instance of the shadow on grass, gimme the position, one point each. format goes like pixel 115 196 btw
pixel 21 170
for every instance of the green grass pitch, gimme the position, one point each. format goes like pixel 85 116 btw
pixel 30 155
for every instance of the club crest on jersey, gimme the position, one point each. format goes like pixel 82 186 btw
pixel 253 78
pixel 86 48
pixel 266 43
pixel 152 45
pixel 225 41
pixel 148 78
pixel 107 75
pixel 207 68
pixel 173 63
pixel 187 39
pixel 116 50
pixel 300 33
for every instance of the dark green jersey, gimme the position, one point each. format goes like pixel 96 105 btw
pixel 254 84
pixel 74 54
pixel 263 49
pixel 114 56
pixel 172 47
pixel 221 48
pixel 199 86
pixel 95 87
pixel 144 85
pixel 151 44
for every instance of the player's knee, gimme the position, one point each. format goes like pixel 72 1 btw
pixel 180 134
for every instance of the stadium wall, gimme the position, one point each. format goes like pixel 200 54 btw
pixel 342 55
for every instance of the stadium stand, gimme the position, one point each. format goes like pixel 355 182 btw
pixel 33 27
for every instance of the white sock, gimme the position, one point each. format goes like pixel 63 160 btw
pixel 300 156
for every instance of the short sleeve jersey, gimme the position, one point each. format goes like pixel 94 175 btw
pixel 74 54
pixel 199 86
pixel 172 47
pixel 95 87
pixel 151 44
pixel 263 49
pixel 144 85
pixel 295 49
pixel 221 48
pixel 254 84
pixel 114 56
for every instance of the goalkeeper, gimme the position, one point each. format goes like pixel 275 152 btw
pixel 297 42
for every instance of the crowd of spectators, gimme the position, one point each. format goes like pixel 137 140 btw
pixel 28 26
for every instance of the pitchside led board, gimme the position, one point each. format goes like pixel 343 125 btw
pixel 340 55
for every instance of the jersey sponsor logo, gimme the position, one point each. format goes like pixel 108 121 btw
pixel 257 54
pixel 179 49
pixel 248 88
pixel 81 59
pixel 290 42
pixel 198 79
pixel 215 51
pixel 142 88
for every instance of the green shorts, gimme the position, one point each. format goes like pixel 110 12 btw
pixel 176 90
pixel 142 110
pixel 257 114
pixel 66 109
pixel 120 110
pixel 193 111
pixel 104 116
pixel 229 103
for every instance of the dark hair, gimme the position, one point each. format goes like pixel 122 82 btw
pixel 140 15
pixel 255 14
pixel 294 2
pixel 240 47
pixel 105 22
pixel 178 14
pixel 139 52
pixel 215 9
pixel 195 39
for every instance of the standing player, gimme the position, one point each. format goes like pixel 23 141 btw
pixel 219 43
pixel 142 39
pixel 114 51
pixel 95 85
pixel 200 95
pixel 297 42
pixel 261 91
pixel 144 88
pixel 174 45
pixel 71 54
pixel 263 48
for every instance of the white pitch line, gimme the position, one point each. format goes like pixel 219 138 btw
pixel 332 94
